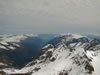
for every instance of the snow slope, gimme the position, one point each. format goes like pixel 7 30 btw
pixel 95 56
pixel 79 57
pixel 14 39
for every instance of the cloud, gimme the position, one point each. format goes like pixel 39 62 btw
pixel 47 15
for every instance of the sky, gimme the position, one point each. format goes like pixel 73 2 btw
pixel 49 16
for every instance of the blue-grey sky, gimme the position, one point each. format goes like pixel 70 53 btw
pixel 49 16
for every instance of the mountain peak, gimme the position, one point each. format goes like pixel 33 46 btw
pixel 71 35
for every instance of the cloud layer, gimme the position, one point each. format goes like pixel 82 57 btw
pixel 50 16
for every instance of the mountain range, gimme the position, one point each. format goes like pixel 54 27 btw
pixel 66 54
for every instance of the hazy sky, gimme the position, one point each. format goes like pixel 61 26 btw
pixel 49 16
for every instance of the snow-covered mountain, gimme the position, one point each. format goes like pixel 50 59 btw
pixel 14 39
pixel 15 48
pixel 65 55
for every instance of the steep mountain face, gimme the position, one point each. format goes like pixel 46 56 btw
pixel 65 55
pixel 17 50
pixel 68 39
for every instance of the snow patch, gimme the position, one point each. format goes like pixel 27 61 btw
pixel 3 47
